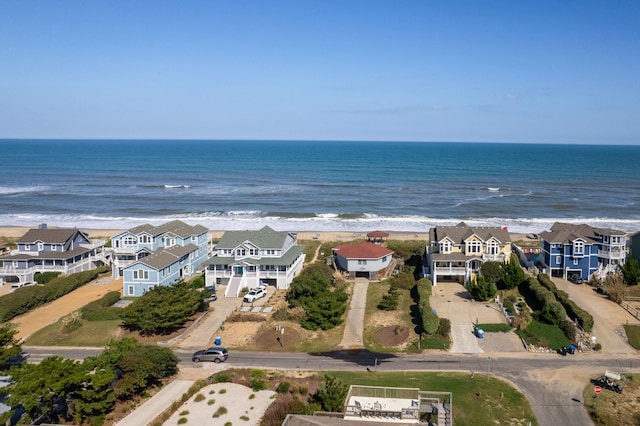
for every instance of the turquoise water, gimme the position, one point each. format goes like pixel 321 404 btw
pixel 303 185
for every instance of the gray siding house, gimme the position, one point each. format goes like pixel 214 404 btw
pixel 250 258
pixel 64 250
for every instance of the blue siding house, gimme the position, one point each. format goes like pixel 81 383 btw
pixel 64 250
pixel 580 251
pixel 147 256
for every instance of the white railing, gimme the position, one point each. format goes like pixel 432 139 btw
pixel 612 254
pixel 94 245
pixel 449 270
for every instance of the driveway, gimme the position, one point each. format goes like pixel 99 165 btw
pixel 609 317
pixel 352 337
pixel 452 301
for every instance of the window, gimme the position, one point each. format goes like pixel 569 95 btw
pixel 130 291
pixel 145 239
pixel 445 247
pixel 362 262
pixel 575 262
pixel 140 274
pixel 493 248
pixel 241 252
pixel 169 242
pixel 40 246
pixel 474 246
pixel 558 260
pixel 27 247
pixel 129 241
pixel 578 248
pixel 384 259
pixel 54 247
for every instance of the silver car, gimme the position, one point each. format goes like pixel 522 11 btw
pixel 215 354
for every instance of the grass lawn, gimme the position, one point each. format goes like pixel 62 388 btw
pixel 87 333
pixel 375 318
pixel 477 399
pixel 541 334
pixel 633 335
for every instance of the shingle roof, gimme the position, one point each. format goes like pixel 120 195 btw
pixel 363 250
pixel 54 236
pixel 266 238
pixel 286 259
pixel 461 232
pixel 55 255
pixel 166 257
pixel 566 233
pixel 176 227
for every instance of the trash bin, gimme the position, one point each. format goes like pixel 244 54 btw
pixel 218 341
pixel 480 333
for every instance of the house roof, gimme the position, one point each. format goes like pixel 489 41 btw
pixel 53 255
pixel 566 233
pixel 286 259
pixel 378 234
pixel 363 250
pixel 461 232
pixel 265 238
pixel 176 227
pixel 164 257
pixel 53 236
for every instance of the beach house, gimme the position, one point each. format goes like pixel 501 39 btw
pixel 364 260
pixel 579 250
pixel 64 250
pixel 455 253
pixel 246 259
pixel 147 255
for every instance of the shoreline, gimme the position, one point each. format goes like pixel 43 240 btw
pixel 14 232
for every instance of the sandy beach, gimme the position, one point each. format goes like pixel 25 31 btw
pixel 14 232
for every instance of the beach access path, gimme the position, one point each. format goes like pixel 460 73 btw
pixel 42 316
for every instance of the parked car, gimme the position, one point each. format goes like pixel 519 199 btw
pixel 255 294
pixel 605 383
pixel 16 286
pixel 211 294
pixel 215 354
pixel 577 279
pixel 601 289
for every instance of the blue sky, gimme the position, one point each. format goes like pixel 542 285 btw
pixel 494 71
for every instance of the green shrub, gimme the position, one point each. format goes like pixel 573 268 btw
pixel 182 420
pixel 101 309
pixel 508 305
pixel 283 387
pixel 45 277
pixel 389 301
pixel 257 385
pixel 31 297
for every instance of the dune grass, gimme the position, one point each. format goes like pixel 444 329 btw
pixel 84 333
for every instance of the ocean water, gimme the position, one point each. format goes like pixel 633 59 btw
pixel 317 186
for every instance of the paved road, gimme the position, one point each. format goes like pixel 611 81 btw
pixel 554 400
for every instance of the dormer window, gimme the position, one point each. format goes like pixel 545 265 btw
pixel 474 246
pixel 578 248
pixel 129 241
pixel 493 247
pixel 145 239
pixel 445 247
pixel 40 246
pixel 169 242
pixel 27 247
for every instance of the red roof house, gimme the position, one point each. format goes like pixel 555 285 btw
pixel 363 259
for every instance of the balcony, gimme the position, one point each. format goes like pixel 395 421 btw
pixel 449 270
pixel 612 254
